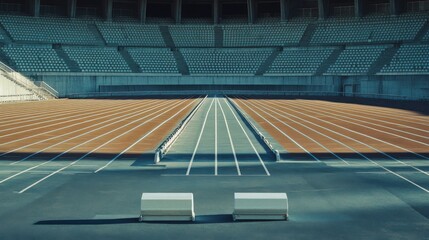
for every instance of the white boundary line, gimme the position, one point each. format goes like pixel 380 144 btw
pixel 198 141
pixel 386 114
pixel 365 135
pixel 117 156
pixel 384 168
pixel 353 139
pixel 41 120
pixel 248 138
pixel 374 119
pixel 59 155
pixel 303 134
pixel 368 127
pixel 215 120
pixel 85 133
pixel 147 134
pixel 230 140
pixel 72 119
pixel 68 126
pixel 284 134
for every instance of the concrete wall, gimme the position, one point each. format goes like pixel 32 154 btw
pixel 415 87
pixel 10 91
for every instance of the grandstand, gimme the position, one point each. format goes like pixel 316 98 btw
pixel 325 100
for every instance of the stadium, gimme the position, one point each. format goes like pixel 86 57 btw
pixel 214 119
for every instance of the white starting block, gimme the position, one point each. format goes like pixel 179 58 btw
pixel 167 207
pixel 260 206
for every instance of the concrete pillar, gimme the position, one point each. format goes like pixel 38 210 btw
pixel 108 10
pixel 358 8
pixel 142 10
pixel 284 10
pixel 36 8
pixel 216 7
pixel 251 11
pixel 323 8
pixel 394 6
pixel 71 8
pixel 178 11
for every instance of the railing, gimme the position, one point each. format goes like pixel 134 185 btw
pixel 418 6
pixel 43 91
pixel 245 92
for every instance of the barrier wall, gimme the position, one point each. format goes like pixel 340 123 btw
pixel 405 87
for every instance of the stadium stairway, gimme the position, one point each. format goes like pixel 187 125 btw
pixel 384 58
pixel 71 64
pixel 422 32
pixel 181 63
pixel 308 34
pixel 330 60
pixel 268 62
pixel 166 35
pixel 100 39
pixel 7 38
pixel 6 59
pixel 130 61
pixel 218 36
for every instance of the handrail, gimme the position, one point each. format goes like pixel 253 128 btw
pixel 245 92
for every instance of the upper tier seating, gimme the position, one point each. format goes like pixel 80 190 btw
pixel 260 35
pixel 409 59
pixel 49 30
pixel 368 29
pixel 356 59
pixel 35 59
pixel 224 61
pixel 127 34
pixel 154 60
pixel 195 36
pixel 98 59
pixel 299 61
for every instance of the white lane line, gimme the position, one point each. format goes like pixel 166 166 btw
pixel 41 120
pixel 131 108
pixel 248 138
pixel 283 133
pixel 73 119
pixel 147 134
pixel 230 140
pixel 120 154
pixel 59 155
pixel 365 126
pixel 362 155
pixel 215 120
pixel 387 114
pixel 34 117
pixel 348 137
pixel 305 135
pixel 372 119
pixel 85 133
pixel 365 135
pixel 199 139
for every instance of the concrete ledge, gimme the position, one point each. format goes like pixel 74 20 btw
pixel 260 206
pixel 167 207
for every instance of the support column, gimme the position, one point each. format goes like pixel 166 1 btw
pixel 178 11
pixel 358 8
pixel 142 11
pixel 251 11
pixel 71 8
pixel 108 10
pixel 394 7
pixel 323 10
pixel 216 11
pixel 284 10
pixel 36 8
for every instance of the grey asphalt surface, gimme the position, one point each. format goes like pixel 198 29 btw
pixel 327 201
